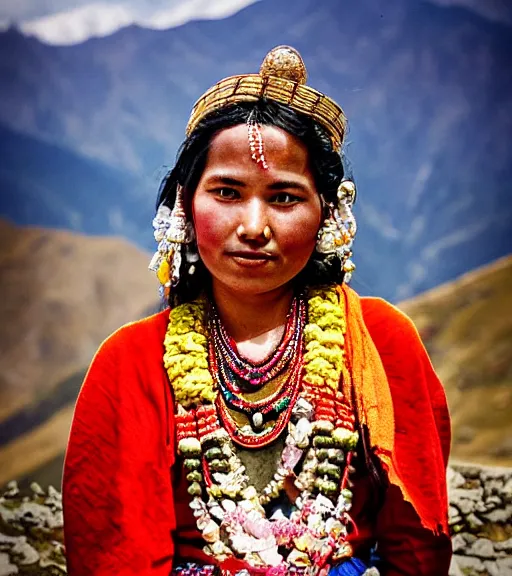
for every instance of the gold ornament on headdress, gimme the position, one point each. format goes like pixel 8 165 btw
pixel 282 78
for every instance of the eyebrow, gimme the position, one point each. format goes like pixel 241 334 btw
pixel 285 184
pixel 279 185
pixel 227 180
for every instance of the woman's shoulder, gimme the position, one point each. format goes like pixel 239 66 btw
pixel 130 359
pixel 135 337
pixel 387 324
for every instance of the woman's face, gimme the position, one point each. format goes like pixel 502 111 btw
pixel 256 229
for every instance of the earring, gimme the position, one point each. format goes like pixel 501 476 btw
pixel 336 236
pixel 172 231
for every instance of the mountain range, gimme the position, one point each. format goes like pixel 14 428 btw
pixel 89 129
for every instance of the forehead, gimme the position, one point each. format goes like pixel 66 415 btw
pixel 284 152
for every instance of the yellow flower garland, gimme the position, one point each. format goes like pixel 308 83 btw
pixel 325 338
pixel 186 355
pixel 186 347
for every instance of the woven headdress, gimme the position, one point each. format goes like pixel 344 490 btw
pixel 282 78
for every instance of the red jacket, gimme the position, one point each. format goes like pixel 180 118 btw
pixel 125 510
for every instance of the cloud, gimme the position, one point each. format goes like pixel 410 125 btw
pixel 497 10
pixel 101 19
pixel 80 24
pixel 459 236
pixel 196 9
pixel 379 221
pixel 416 273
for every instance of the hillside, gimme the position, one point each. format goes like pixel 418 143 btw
pixel 467 328
pixel 61 295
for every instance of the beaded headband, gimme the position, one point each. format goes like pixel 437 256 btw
pixel 282 78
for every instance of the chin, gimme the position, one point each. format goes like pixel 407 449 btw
pixel 251 286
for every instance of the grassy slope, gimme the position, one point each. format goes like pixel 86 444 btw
pixel 467 328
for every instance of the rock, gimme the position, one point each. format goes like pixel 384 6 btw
pixel 454 568
pixel 36 489
pixel 453 515
pixel 469 471
pixel 37 548
pixel 12 490
pixel 454 479
pixel 474 494
pixel 473 521
pixel 6 567
pixel 500 516
pixel 505 546
pixel 504 566
pixel 466 500
pixel 493 502
pixel 492 568
pixel 458 543
pixel 482 548
pixel 469 538
pixel 469 564
pixel 507 490
pixel 19 547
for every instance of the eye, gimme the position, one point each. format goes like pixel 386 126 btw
pixel 226 193
pixel 285 198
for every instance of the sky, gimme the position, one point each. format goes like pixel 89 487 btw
pixel 73 21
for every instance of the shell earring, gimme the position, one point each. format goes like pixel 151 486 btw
pixel 336 236
pixel 172 232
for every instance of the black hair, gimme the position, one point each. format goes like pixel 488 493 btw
pixel 326 165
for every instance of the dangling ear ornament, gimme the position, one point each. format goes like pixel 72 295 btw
pixel 336 236
pixel 172 231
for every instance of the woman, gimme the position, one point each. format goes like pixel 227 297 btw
pixel 270 421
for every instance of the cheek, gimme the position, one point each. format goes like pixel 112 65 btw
pixel 209 226
pixel 298 235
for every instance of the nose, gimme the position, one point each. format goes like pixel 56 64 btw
pixel 253 225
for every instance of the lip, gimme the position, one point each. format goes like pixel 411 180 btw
pixel 251 259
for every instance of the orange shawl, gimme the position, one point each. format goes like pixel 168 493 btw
pixel 412 454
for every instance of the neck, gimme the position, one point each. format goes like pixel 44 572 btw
pixel 248 316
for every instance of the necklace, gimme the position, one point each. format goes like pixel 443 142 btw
pixel 279 409
pixel 233 375
pixel 321 441
pixel 258 374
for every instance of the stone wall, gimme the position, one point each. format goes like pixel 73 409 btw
pixel 31 533
pixel 480 520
